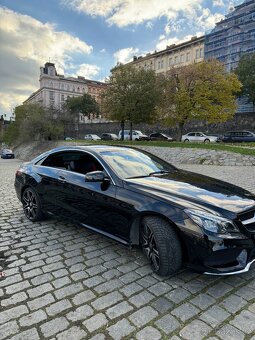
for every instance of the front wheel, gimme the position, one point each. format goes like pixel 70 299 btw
pixel 160 245
pixel 186 141
pixel 32 205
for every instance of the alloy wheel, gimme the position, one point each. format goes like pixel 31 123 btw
pixel 30 204
pixel 150 247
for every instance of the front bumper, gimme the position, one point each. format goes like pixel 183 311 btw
pixel 218 256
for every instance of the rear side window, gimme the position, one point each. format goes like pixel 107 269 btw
pixel 79 162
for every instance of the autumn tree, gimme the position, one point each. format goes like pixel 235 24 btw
pixel 201 91
pixel 246 74
pixel 85 105
pixel 131 95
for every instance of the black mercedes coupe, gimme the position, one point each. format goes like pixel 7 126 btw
pixel 177 217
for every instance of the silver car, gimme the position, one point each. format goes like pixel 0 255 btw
pixel 199 137
pixel 92 137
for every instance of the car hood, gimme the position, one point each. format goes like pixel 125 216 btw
pixel 195 190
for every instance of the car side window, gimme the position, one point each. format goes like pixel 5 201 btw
pixel 79 162
pixel 84 164
pixel 191 134
pixel 54 161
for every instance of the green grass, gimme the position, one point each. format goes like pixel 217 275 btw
pixel 244 148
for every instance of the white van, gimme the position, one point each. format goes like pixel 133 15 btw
pixel 136 135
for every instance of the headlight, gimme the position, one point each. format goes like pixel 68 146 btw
pixel 212 223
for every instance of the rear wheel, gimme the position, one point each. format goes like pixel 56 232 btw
pixel 160 245
pixel 207 141
pixel 32 205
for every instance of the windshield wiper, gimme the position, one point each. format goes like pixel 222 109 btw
pixel 160 172
pixel 141 176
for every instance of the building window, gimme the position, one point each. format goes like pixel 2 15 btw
pixel 170 61
pixel 182 58
pixel 52 97
pixel 62 86
pixel 188 56
pixel 51 84
pixel 159 65
pixel 67 87
pixel 62 97
pixel 201 53
pixel 162 63
pixel 176 59
pixel 73 89
pixel 197 54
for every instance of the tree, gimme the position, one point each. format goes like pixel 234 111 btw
pixel 246 74
pixel 201 91
pixel 84 104
pixel 33 122
pixel 131 95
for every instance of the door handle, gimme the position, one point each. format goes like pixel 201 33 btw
pixel 62 179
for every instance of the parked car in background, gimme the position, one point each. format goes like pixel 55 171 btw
pixel 7 153
pixel 109 136
pixel 136 198
pixel 136 135
pixel 199 137
pixel 92 137
pixel 69 138
pixel 238 137
pixel 161 136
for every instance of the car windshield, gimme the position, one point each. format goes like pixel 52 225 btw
pixel 132 163
pixel 7 151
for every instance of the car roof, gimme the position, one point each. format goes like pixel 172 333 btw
pixel 92 148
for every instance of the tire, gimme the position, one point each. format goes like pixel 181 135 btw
pixel 161 245
pixel 186 141
pixel 32 205
pixel 207 141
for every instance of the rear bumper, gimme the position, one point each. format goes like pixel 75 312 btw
pixel 7 156
pixel 18 188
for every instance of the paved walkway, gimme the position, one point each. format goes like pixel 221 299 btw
pixel 64 282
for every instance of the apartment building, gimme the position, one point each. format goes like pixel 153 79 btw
pixel 55 89
pixel 231 38
pixel 175 55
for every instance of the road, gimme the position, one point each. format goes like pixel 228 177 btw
pixel 64 282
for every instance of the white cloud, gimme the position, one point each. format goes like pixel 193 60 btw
pixel 124 13
pixel 87 70
pixel 161 45
pixel 125 55
pixel 26 44
pixel 149 25
pixel 218 3
pixel 103 50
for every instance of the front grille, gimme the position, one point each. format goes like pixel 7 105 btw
pixel 248 220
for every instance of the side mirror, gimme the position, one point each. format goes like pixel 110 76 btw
pixel 95 176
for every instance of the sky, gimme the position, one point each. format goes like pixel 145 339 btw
pixel 88 37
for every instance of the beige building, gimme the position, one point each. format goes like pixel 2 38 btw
pixel 173 56
pixel 55 89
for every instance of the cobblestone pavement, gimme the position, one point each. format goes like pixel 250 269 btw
pixel 64 282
